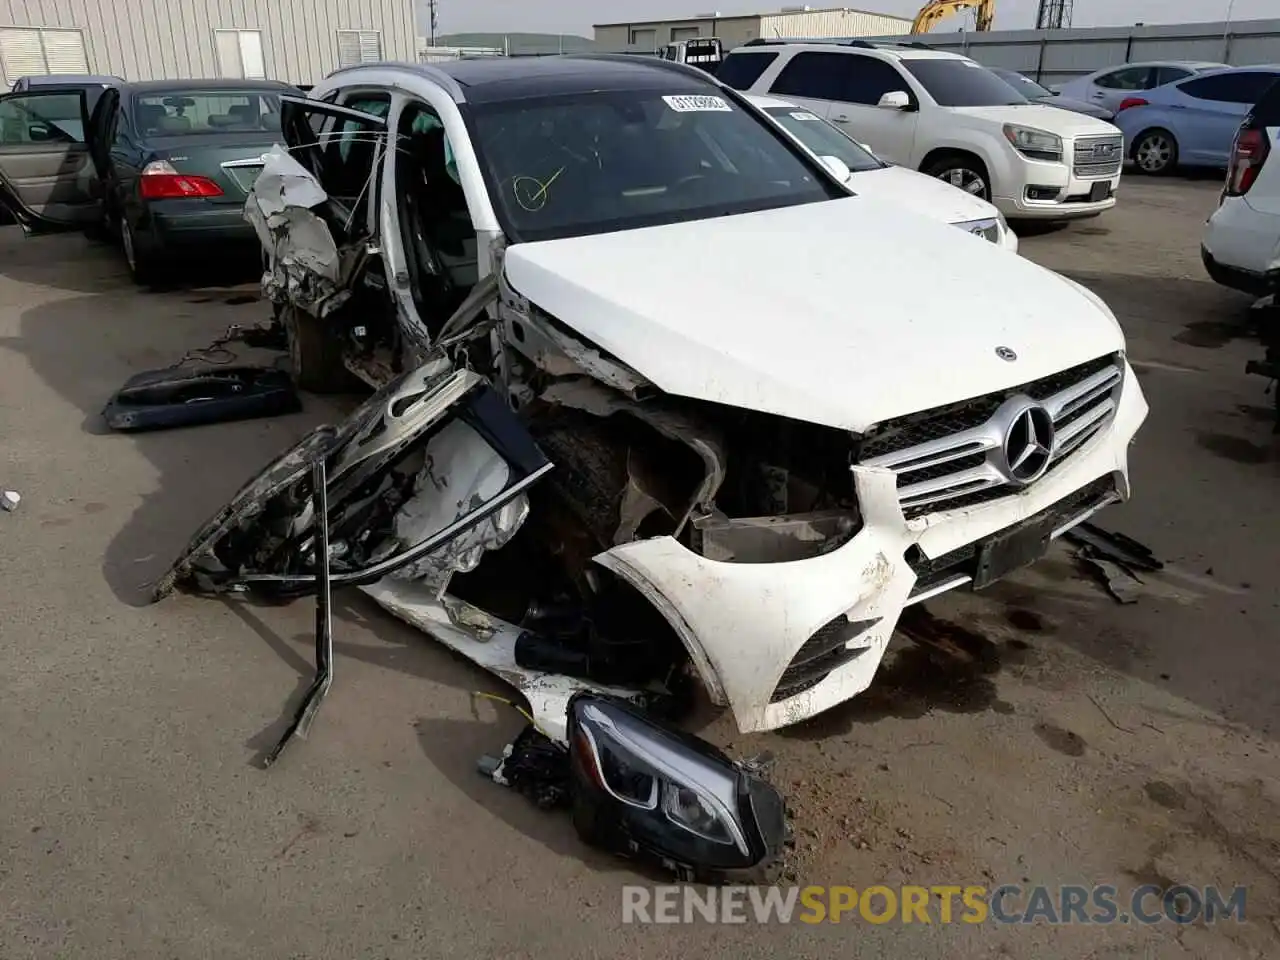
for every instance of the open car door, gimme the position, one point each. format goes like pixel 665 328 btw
pixel 421 480
pixel 48 178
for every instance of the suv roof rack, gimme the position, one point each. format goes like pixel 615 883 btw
pixel 834 41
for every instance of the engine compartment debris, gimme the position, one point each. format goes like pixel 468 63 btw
pixel 1114 560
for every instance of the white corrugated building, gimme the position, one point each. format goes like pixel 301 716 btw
pixel 299 41
pixel 644 36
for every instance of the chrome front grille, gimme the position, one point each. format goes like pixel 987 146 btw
pixel 963 455
pixel 1097 158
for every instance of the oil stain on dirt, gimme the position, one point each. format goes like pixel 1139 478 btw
pixel 946 667
pixel 1165 795
pixel 1236 449
pixel 1057 738
pixel 1209 334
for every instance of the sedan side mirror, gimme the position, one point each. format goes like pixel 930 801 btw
pixel 39 133
pixel 838 168
pixel 895 100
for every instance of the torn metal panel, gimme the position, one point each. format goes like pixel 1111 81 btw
pixel 639 494
pixel 491 647
pixel 304 265
pixel 772 539
pixel 555 350
pixel 461 472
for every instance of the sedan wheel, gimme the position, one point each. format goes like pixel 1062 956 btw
pixel 141 266
pixel 966 179
pixel 1155 152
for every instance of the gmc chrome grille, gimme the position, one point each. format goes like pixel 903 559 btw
pixel 1099 157
pixel 991 446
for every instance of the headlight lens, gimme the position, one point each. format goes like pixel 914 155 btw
pixel 686 809
pixel 641 788
pixel 991 228
pixel 1032 143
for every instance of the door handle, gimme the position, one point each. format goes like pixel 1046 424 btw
pixel 841 118
pixel 1098 96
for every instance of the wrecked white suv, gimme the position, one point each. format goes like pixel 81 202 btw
pixel 659 399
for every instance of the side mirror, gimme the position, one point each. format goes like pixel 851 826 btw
pixel 40 133
pixel 895 100
pixel 839 169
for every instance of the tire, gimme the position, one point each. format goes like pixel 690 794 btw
pixel 962 171
pixel 315 354
pixel 143 266
pixel 1155 152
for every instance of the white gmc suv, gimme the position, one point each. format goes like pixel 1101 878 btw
pixel 948 116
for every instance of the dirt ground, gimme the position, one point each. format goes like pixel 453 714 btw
pixel 1056 736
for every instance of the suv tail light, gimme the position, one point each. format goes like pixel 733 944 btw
pixel 1248 154
pixel 160 181
pixel 1128 102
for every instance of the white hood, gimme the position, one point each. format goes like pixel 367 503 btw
pixel 1064 123
pixel 844 313
pixel 927 196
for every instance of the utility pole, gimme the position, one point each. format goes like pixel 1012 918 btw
pixel 1054 14
pixel 433 20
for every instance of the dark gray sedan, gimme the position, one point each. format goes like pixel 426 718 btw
pixel 165 166
pixel 1038 94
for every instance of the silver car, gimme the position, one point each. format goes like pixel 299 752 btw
pixel 1109 87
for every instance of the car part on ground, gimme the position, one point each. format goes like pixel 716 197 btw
pixel 940 112
pixel 647 791
pixel 1268 311
pixel 307 708
pixel 187 397
pixel 9 500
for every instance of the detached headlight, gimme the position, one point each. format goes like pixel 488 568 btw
pixel 1032 143
pixel 991 228
pixel 642 789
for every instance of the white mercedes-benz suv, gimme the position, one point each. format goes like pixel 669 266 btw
pixel 658 398
pixel 947 116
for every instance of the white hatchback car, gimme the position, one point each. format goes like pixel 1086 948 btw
pixel 947 116
pixel 1241 246
pixel 870 176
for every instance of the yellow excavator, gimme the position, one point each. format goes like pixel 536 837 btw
pixel 935 10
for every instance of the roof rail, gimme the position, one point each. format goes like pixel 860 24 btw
pixel 833 41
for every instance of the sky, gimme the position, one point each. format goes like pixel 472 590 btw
pixel 577 16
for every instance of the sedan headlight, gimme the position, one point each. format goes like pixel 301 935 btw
pixel 642 789
pixel 1032 143
pixel 991 228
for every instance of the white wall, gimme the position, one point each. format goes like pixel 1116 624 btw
pixel 171 39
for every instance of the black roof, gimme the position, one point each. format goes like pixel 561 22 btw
pixel 494 79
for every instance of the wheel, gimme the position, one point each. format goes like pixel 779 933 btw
pixel 1155 152
pixel 967 173
pixel 315 353
pixel 142 265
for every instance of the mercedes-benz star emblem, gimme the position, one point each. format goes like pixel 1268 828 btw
pixel 1029 444
pixel 1004 353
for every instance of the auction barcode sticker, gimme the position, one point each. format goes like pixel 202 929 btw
pixel 801 115
pixel 698 104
